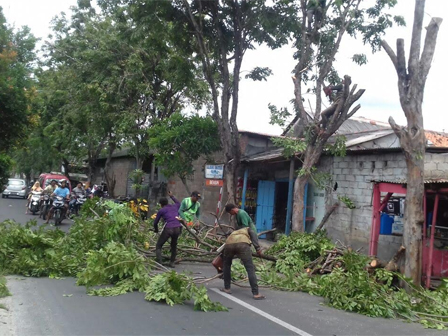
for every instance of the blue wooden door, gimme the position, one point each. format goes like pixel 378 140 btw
pixel 265 205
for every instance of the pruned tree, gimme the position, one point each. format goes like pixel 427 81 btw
pixel 322 26
pixel 411 86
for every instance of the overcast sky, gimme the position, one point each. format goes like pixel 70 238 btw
pixel 378 76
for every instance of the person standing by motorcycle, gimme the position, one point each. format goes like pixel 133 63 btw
pixel 64 192
pixel 77 192
pixel 36 187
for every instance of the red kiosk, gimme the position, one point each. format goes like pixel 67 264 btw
pixel 435 228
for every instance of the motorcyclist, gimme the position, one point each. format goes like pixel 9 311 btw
pixel 77 192
pixel 51 187
pixel 62 191
pixel 36 187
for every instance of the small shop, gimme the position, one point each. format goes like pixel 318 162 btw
pixel 265 191
pixel 389 199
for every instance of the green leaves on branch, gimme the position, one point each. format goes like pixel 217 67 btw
pixel 259 74
pixel 278 116
pixel 347 201
pixel 180 140
pixel 97 251
pixel 352 287
pixel 290 146
pixel 338 147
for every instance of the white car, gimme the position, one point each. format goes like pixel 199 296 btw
pixel 15 188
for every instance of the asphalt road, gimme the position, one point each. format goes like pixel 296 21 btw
pixel 42 306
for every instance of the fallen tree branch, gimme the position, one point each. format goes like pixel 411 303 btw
pixel 267 231
pixel 327 216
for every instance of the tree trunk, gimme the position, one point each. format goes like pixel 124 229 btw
pixel 411 85
pixel 184 181
pixel 414 217
pixel 298 209
pixel 109 175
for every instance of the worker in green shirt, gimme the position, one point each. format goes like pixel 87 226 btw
pixel 190 208
pixel 243 219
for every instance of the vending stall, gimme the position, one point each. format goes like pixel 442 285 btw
pixel 390 196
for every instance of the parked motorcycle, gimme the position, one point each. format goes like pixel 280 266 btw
pixel 58 210
pixel 45 205
pixel 33 205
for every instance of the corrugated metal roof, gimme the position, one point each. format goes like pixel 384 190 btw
pixel 360 124
pixel 368 137
pixel 403 181
pixel 265 156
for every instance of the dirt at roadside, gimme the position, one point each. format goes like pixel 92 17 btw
pixel 6 327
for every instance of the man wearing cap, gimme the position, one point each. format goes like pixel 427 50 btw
pixel 190 208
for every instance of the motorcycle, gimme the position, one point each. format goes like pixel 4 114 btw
pixel 80 200
pixel 45 205
pixel 33 205
pixel 58 210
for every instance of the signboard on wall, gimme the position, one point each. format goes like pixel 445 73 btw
pixel 214 183
pixel 215 172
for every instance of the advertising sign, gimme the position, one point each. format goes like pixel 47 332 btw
pixel 215 172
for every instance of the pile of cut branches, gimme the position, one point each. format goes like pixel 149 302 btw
pixel 108 248
pixel 352 281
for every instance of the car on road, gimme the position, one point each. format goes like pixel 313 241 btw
pixel 15 188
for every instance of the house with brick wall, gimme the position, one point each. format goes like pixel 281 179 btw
pixel 373 153
pixel 265 187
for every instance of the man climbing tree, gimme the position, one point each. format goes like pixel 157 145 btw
pixel 411 86
pixel 316 52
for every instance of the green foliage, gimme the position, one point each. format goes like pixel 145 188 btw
pixel 322 180
pixel 202 301
pixel 338 148
pixel 347 201
pixel 5 168
pixel 298 249
pixel 170 287
pixel 16 84
pixel 290 146
pixel 180 140
pixel 352 287
pixel 136 176
pixel 115 262
pixel 3 289
pixel 98 251
pixel 259 74
pixel 278 116
pixel 174 288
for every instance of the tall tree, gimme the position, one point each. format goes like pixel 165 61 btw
pixel 223 32
pixel 16 85
pixel 321 27
pixel 411 86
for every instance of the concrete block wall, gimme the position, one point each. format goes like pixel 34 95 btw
pixel 210 195
pixel 353 174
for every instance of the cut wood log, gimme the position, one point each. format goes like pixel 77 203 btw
pixel 392 265
pixel 267 231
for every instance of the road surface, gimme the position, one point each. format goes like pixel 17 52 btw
pixel 42 306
